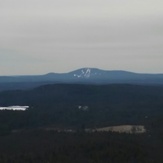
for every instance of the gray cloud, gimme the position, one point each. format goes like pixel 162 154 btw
pixel 61 35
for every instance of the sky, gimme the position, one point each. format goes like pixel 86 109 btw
pixel 42 36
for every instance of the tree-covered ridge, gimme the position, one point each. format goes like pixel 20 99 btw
pixel 25 135
pixel 106 105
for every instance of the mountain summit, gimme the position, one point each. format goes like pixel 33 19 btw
pixel 83 73
pixel 98 73
pixel 87 72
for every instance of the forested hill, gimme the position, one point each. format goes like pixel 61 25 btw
pixel 91 105
pixel 82 94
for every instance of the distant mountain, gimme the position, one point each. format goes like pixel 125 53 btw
pixel 80 76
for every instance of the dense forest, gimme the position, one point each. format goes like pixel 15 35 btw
pixel 37 146
pixel 24 135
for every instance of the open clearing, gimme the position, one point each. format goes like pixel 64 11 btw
pixel 132 129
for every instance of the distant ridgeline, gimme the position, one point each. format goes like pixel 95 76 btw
pixel 80 76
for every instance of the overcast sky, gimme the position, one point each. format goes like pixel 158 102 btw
pixel 41 36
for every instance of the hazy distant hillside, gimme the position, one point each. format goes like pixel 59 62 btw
pixel 80 76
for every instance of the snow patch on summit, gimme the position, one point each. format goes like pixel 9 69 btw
pixel 85 73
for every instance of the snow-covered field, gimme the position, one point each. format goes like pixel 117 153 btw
pixel 137 129
pixel 15 108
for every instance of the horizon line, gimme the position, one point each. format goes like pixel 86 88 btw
pixel 156 73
